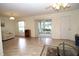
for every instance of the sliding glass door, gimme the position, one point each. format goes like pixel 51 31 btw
pixel 44 28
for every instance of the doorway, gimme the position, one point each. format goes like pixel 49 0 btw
pixel 21 27
pixel 44 28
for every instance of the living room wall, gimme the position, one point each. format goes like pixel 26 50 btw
pixel 64 24
pixel 9 26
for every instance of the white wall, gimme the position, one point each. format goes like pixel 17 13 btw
pixel 30 24
pixel 1 47
pixel 16 26
pixel 69 24
pixel 64 25
pixel 9 25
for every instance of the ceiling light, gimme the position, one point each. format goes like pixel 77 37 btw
pixel 12 18
pixel 58 6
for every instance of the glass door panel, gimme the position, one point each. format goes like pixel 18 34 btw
pixel 44 28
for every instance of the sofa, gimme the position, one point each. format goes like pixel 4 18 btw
pixel 7 35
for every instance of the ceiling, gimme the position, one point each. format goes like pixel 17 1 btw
pixel 29 9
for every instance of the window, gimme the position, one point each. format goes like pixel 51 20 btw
pixel 21 26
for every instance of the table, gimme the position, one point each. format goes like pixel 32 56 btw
pixel 62 49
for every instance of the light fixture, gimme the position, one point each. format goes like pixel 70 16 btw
pixel 59 6
pixel 12 18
